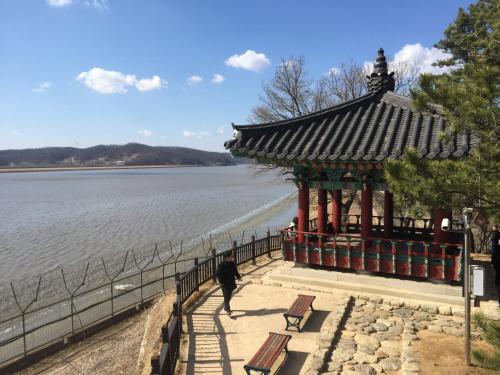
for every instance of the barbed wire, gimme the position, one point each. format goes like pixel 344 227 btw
pixel 61 283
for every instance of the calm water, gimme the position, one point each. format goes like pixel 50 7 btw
pixel 58 218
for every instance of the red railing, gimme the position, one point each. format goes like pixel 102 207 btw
pixel 422 259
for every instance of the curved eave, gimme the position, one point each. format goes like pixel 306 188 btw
pixel 369 129
pixel 327 111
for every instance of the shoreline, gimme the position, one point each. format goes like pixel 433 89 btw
pixel 62 169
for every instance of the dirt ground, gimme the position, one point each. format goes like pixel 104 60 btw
pixel 132 341
pixel 444 355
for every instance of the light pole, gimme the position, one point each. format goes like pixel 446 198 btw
pixel 446 225
pixel 467 295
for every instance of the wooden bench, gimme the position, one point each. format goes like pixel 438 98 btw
pixel 268 353
pixel 296 312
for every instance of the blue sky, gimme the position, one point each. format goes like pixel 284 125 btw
pixel 87 72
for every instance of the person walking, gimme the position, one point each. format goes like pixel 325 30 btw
pixel 495 256
pixel 226 274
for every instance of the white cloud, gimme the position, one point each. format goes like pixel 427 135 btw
pixel 99 4
pixel 197 135
pixel 59 3
pixel 333 70
pixel 194 80
pixel 111 82
pixel 188 134
pixel 148 84
pixel 250 60
pixel 218 78
pixel 145 132
pixel 220 130
pixel 368 68
pixel 15 133
pixel 42 87
pixel 422 57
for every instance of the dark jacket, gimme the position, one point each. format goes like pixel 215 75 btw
pixel 494 238
pixel 227 274
pixel 495 253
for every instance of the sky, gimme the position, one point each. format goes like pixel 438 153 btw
pixel 178 73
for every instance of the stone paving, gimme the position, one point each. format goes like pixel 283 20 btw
pixel 377 338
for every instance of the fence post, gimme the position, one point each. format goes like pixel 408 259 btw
pixel 253 250
pixel 155 364
pixel 235 253
pixel 142 294
pixel 268 244
pixel 196 274
pixel 214 265
pixel 24 334
pixel 72 315
pixel 163 276
pixel 176 313
pixel 178 286
pixel 112 299
pixel 282 243
pixel 179 314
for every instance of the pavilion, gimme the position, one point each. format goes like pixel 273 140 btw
pixel 343 148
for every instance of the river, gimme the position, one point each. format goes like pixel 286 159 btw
pixel 59 219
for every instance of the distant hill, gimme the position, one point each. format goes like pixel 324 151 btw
pixel 109 155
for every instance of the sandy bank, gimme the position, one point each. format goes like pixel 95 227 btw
pixel 59 169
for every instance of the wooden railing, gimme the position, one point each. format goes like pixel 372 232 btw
pixel 189 282
pixel 408 225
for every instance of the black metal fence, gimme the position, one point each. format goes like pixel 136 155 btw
pixel 61 306
pixel 165 362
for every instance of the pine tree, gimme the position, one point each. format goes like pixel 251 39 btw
pixel 469 96
pixel 491 330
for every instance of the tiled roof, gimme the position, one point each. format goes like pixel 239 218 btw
pixel 370 128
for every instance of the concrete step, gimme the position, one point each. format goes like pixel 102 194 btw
pixel 379 285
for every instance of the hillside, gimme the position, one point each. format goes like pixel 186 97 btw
pixel 108 155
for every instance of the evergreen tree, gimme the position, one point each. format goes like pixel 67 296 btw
pixel 468 94
pixel 491 331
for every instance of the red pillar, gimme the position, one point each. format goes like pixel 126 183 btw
pixel 337 210
pixel 303 211
pixel 366 211
pixel 322 211
pixel 440 236
pixel 388 214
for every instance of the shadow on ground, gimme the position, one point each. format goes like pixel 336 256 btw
pixel 293 363
pixel 208 351
pixel 315 321
pixel 258 312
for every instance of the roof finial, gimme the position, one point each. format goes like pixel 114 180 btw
pixel 380 80
pixel 380 65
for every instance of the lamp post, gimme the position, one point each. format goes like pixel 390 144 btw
pixel 467 295
pixel 446 225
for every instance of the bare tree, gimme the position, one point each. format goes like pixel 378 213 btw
pixel 347 83
pixel 291 93
pixel 406 76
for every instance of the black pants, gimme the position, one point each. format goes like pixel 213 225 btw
pixel 227 293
